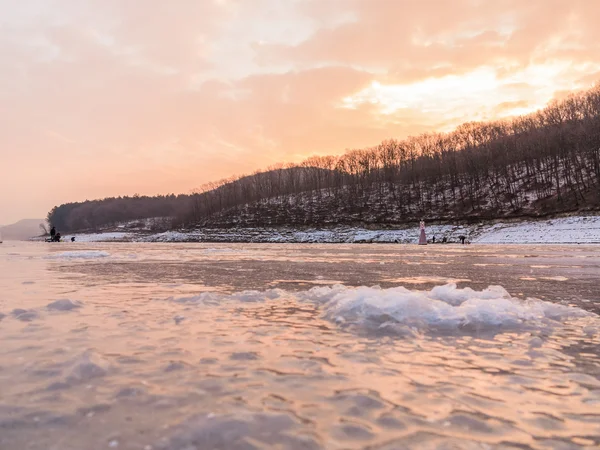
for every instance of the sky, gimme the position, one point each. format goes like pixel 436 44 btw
pixel 103 98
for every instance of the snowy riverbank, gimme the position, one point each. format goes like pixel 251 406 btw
pixel 568 230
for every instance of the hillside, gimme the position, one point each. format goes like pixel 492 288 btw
pixel 380 207
pixel 21 230
pixel 538 165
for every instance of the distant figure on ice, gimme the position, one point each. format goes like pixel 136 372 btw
pixel 433 240
pixel 422 238
pixel 73 239
pixel 57 237
pixel 462 240
pixel 52 234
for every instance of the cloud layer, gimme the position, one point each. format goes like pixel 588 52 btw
pixel 115 97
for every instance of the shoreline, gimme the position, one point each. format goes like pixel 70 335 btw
pixel 566 230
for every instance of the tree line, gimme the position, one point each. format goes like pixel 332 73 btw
pixel 112 211
pixel 544 162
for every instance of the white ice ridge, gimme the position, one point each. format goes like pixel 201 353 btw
pixel 88 254
pixel 443 307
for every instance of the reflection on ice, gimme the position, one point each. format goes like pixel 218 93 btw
pixel 425 280
pixel 558 278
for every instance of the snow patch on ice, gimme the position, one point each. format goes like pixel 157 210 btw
pixel 88 254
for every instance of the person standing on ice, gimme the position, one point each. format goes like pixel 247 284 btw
pixel 422 238
pixel 52 233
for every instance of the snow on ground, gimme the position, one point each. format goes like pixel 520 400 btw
pixel 569 230
pixel 99 237
pixel 282 235
pixel 171 236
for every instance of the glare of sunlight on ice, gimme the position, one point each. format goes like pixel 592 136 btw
pixel 426 279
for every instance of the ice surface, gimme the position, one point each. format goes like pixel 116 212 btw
pixel 241 431
pixel 185 347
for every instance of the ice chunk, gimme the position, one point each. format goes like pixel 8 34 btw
pixel 25 315
pixel 87 367
pixel 257 296
pixel 443 307
pixel 64 305
pixel 244 356
pixel 178 319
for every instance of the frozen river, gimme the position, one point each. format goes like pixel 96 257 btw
pixel 204 346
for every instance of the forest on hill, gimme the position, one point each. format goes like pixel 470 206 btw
pixel 543 163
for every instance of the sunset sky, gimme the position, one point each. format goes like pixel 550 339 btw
pixel 116 97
